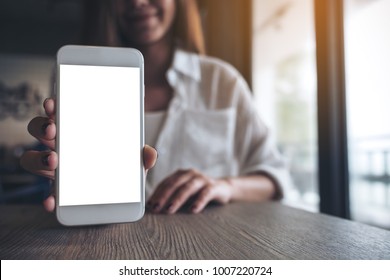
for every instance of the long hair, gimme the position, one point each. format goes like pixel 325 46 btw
pixel 100 25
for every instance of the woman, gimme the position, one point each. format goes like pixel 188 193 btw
pixel 212 145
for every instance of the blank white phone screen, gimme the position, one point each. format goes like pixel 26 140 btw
pixel 99 130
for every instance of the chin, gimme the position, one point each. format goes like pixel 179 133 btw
pixel 147 40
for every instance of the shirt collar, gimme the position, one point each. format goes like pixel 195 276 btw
pixel 187 63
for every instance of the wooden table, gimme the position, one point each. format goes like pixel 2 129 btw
pixel 236 231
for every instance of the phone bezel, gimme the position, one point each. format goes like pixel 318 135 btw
pixel 101 213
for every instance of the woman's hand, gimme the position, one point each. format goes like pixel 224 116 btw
pixel 45 163
pixel 189 186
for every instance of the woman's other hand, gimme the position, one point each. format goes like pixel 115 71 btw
pixel 189 186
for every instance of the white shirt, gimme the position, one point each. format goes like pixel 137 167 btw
pixel 153 124
pixel 211 125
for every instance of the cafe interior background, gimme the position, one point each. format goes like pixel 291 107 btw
pixel 275 45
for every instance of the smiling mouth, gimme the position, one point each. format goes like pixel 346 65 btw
pixel 141 15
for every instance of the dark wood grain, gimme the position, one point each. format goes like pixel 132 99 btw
pixel 235 231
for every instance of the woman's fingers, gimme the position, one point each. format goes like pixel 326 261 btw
pixel 44 129
pixel 49 203
pixel 205 196
pixel 189 186
pixel 150 157
pixel 50 108
pixel 216 190
pixel 184 193
pixel 40 163
pixel 167 188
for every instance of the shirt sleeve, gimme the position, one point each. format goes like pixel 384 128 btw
pixel 254 146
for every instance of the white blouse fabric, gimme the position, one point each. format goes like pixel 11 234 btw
pixel 212 126
pixel 153 124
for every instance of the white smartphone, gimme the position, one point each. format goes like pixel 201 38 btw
pixel 100 135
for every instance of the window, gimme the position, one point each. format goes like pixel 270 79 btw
pixel 284 86
pixel 367 45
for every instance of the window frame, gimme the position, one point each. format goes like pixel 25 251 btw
pixel 333 169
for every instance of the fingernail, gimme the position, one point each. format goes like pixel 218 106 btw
pixel 44 127
pixel 44 102
pixel 45 160
pixel 193 208
pixel 170 207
